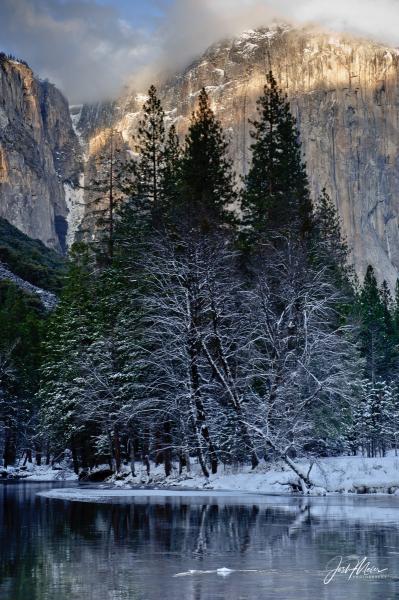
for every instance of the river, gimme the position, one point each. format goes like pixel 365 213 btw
pixel 190 547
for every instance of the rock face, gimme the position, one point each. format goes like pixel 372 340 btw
pixel 39 153
pixel 345 95
pixel 343 91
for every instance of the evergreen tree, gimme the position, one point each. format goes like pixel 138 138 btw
pixel 170 174
pixel 105 196
pixel 387 306
pixel 22 322
pixel 11 408
pixel 144 181
pixel 376 330
pixel 395 316
pixel 329 248
pixel 276 198
pixel 373 424
pixel 150 146
pixel 71 331
pixel 329 251
pixel 206 177
pixel 395 309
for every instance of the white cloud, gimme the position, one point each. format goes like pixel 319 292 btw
pixel 191 26
pixel 83 47
pixel 377 19
pixel 89 51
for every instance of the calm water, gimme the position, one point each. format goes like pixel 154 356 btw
pixel 278 548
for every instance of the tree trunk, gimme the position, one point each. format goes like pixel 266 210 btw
pixel 188 463
pixel 199 417
pixel 38 455
pixel 117 447
pixel 225 378
pixel 112 462
pixel 304 479
pixel 10 450
pixel 132 456
pixel 181 463
pixel 147 464
pixel 75 459
pixel 167 452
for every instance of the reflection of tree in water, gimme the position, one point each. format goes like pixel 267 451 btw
pixel 71 550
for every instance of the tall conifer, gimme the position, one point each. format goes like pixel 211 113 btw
pixel 376 332
pixel 170 179
pixel 276 198
pixel 207 181
pixel 150 144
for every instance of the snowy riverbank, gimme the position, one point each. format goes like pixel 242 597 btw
pixel 328 475
pixel 346 474
pixel 32 472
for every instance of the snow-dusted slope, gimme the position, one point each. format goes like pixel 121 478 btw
pixel 48 299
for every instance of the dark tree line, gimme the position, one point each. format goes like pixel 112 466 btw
pixel 215 322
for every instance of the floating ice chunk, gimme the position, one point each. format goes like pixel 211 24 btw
pixel 224 572
pixel 221 572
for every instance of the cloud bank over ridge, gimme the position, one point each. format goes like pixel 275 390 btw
pixel 88 50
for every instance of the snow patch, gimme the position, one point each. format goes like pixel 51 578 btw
pixel 33 472
pixel 46 473
pixel 74 199
pixel 221 572
pixel 141 98
pixel 343 474
pixel 48 299
pixel 258 35
pixel 75 111
pixel 107 495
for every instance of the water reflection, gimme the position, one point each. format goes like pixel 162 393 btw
pixel 274 548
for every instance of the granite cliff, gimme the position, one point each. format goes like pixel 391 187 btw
pixel 40 155
pixel 344 92
pixel 345 95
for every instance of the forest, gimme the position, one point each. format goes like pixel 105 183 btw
pixel 210 318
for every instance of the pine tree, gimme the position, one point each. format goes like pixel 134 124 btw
pixel 150 147
pixel 143 182
pixel 22 322
pixel 170 180
pixel 391 364
pixel 328 245
pixel 329 251
pixel 373 427
pixel 70 332
pixel 395 308
pixel 11 408
pixel 395 316
pixel 386 300
pixel 207 182
pixel 276 198
pixel 106 196
pixel 376 330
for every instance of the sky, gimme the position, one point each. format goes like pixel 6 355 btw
pixel 91 48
